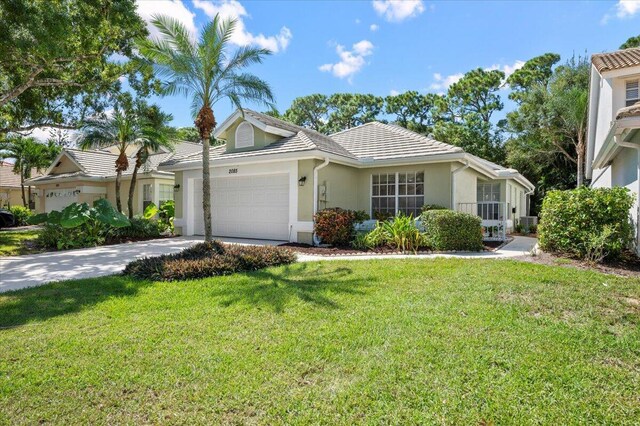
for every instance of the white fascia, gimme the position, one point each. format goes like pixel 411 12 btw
pixel 257 123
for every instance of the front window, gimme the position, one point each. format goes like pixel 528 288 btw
pixel 633 93
pixel 166 193
pixel 488 196
pixel 147 196
pixel 397 192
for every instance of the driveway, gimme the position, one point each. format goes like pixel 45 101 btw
pixel 36 269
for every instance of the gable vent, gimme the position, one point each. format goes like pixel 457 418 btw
pixel 244 135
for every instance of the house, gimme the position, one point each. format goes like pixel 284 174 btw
pixel 270 177
pixel 84 176
pixel 613 136
pixel 10 188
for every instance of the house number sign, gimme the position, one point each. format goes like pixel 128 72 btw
pixel 233 171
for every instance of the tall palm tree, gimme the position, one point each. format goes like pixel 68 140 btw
pixel 205 70
pixel 29 155
pixel 121 129
pixel 157 136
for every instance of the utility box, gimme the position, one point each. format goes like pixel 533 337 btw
pixel 528 221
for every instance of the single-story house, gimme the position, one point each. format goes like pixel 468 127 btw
pixel 10 189
pixel 613 132
pixel 270 177
pixel 85 176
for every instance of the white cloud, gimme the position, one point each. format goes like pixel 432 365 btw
pixel 442 83
pixel 232 9
pixel 394 92
pixel 506 69
pixel 174 8
pixel 623 9
pixel 357 20
pixel 398 10
pixel 374 27
pixel 351 61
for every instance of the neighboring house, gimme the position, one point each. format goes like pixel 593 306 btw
pixel 613 141
pixel 85 176
pixel 271 176
pixel 10 189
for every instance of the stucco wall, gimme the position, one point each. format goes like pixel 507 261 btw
pixel 342 184
pixel 177 194
pixel 466 184
pixel 13 196
pixel 138 192
pixel 305 193
pixel 260 138
pixel 66 166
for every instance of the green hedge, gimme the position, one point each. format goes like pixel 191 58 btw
pixel 21 215
pixel 451 230
pixel 574 222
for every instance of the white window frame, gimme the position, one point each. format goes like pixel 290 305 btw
pixel 396 196
pixel 168 189
pixel 144 192
pixel 632 100
pixel 251 142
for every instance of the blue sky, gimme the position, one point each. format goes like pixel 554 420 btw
pixel 385 46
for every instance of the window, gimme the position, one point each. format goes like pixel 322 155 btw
pixel 397 192
pixel 147 195
pixel 244 135
pixel 166 193
pixel 633 94
pixel 488 197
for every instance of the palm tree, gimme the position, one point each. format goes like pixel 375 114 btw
pixel 29 155
pixel 157 136
pixel 123 129
pixel 207 72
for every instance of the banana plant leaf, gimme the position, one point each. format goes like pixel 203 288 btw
pixel 38 219
pixel 150 211
pixel 105 213
pixel 75 215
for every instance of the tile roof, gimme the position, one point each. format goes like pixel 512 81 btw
pixel 630 111
pixel 8 179
pixel 379 141
pixel 616 60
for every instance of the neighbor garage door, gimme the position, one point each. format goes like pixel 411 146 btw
pixel 246 207
pixel 58 199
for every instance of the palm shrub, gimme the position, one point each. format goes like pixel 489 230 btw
pixel 400 232
pixel 574 222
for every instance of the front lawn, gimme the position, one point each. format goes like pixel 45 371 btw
pixel 12 243
pixel 445 341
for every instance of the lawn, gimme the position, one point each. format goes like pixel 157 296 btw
pixel 446 341
pixel 12 242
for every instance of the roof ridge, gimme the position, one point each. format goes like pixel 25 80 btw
pixel 306 139
pixel 613 52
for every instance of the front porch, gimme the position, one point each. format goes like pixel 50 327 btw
pixel 494 215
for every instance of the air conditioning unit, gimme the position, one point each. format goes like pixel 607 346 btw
pixel 528 221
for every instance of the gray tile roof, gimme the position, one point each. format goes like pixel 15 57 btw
pixel 616 60
pixel 380 141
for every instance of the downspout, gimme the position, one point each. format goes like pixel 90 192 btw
pixel 527 200
pixel 453 183
pixel 316 241
pixel 595 84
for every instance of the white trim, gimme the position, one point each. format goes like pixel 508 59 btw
pixel 84 189
pixel 259 124
pixel 252 141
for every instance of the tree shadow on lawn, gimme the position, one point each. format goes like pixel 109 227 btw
pixel 275 288
pixel 61 298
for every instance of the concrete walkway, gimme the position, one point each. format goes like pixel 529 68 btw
pixel 37 269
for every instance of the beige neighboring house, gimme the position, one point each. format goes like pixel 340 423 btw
pixel 270 177
pixel 10 189
pixel 613 140
pixel 85 176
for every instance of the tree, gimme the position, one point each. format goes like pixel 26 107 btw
pixel 347 110
pixel 154 125
pixel 464 114
pixel 412 110
pixel 310 111
pixel 56 66
pixel 28 155
pixel 631 42
pixel 122 129
pixel 208 72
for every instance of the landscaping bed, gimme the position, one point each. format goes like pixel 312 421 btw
pixel 348 251
pixel 626 265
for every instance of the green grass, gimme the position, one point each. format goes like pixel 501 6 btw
pixel 12 242
pixel 446 341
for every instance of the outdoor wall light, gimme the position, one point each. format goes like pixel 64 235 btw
pixel 176 187
pixel 302 180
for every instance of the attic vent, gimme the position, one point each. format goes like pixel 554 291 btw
pixel 244 135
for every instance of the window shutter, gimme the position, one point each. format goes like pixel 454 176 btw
pixel 633 93
pixel 244 135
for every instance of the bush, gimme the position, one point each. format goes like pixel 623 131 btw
pixel 571 221
pixel 208 260
pixel 21 215
pixel 402 233
pixel 140 228
pixel 451 230
pixel 428 207
pixel 335 226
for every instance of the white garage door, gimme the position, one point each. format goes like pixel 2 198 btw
pixel 246 207
pixel 58 199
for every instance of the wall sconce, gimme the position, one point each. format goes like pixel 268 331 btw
pixel 176 187
pixel 302 180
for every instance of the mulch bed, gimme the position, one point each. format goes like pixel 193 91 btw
pixel 342 251
pixel 628 265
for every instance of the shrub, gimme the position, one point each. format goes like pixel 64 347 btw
pixel 428 207
pixel 334 226
pixel 140 228
pixel 207 260
pixel 402 233
pixel 21 215
pixel 570 221
pixel 451 230
pixel 359 242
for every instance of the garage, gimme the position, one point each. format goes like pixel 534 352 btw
pixel 58 199
pixel 254 206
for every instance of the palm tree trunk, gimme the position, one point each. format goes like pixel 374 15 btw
pixel 24 199
pixel 122 164
pixel 118 203
pixel 134 180
pixel 205 122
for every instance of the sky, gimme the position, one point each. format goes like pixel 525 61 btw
pixel 384 47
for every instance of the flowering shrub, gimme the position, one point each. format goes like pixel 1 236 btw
pixel 335 226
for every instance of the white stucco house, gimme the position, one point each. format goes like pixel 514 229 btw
pixel 613 136
pixel 270 177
